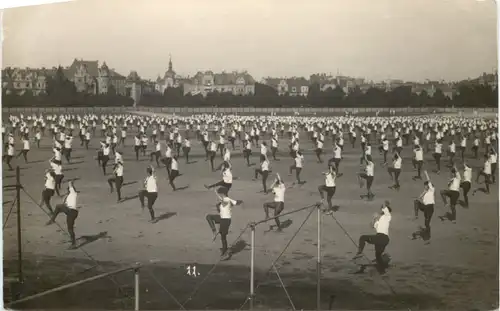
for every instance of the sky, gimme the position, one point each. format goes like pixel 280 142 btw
pixel 412 40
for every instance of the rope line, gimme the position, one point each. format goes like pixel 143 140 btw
pixel 195 291
pixel 282 252
pixel 368 260
pixel 284 287
pixel 166 290
pixel 10 211
pixel 81 248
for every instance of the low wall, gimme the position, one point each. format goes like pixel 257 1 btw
pixel 239 110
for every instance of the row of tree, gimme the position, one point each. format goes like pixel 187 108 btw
pixel 265 96
pixel 62 92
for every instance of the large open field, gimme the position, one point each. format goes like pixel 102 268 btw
pixel 457 271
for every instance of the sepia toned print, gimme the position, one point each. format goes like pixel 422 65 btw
pixel 250 155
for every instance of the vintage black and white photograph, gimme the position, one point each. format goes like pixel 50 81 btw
pixel 250 155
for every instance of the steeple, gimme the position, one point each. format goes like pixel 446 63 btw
pixel 170 63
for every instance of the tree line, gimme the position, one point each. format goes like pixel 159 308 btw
pixel 62 92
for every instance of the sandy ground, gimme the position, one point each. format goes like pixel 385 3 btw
pixel 457 271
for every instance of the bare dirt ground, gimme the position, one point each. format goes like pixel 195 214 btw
pixel 457 271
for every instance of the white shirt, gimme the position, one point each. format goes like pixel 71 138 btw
pixel 455 183
pixel 370 167
pixel 151 185
pixel 119 170
pixel 227 155
pixel 337 152
pixel 57 155
pixel 227 176
pixel 493 158
pixel 419 154
pixel 225 208
pixel 397 163
pixel 26 144
pixel 264 166
pixel 298 161
pixel 71 199
pixel 452 148
pixel 382 224
pixel 438 148
pixel 330 180
pixel 468 174
pixel 174 165
pixel 279 193
pixel 428 197
pixel 57 168
pixel 50 182
pixel 487 167
pixel 168 152
pixel 263 150
pixel 385 145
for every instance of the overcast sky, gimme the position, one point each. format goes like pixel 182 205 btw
pixel 375 39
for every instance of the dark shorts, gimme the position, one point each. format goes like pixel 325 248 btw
pixel 224 225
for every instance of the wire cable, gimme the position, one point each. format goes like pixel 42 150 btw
pixel 195 291
pixel 355 244
pixel 80 248
pixel 282 252
pixel 10 211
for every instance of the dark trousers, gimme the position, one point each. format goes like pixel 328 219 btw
pixel 59 179
pixel 221 184
pixel 466 188
pixel 297 172
pixel 336 163
pixel 369 181
pixel 330 192
pixel 156 155
pixel 453 195
pixel 71 215
pixel 25 155
pixel 173 174
pixel 428 212
pixel 437 158
pixel 380 241
pixel 278 208
pixel 185 151
pixel 273 152
pixel 118 181
pixel 47 194
pixel 394 173
pixel 152 196
pixel 224 224
pixel 264 175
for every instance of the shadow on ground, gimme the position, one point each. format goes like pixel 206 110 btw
pixel 225 288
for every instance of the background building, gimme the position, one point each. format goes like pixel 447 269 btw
pixel 235 83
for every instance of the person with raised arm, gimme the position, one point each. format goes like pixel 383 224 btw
pixel 425 203
pixel 150 191
pixel 367 175
pixel 263 171
pixel 466 184
pixel 329 187
pixel 486 173
pixel 223 218
pixel 117 179
pixel 70 208
pixel 380 240
pixel 453 192
pixel 395 170
pixel 278 188
pixel 227 178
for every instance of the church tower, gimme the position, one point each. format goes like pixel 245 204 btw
pixel 103 79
